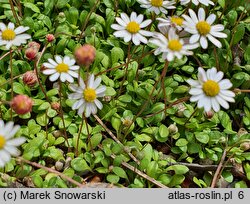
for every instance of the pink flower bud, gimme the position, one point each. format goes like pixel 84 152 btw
pixel 55 106
pixel 50 37
pixel 30 78
pixel 34 45
pixel 21 104
pixel 31 53
pixel 85 55
pixel 209 114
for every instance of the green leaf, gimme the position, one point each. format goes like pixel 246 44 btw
pixel 18 88
pixel 178 169
pixel 239 33
pixel 181 142
pixel 120 172
pixel 61 3
pixel 117 54
pixel 80 165
pixel 32 6
pixel 163 131
pixel 112 178
pixel 202 137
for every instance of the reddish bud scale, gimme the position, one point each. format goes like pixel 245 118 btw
pixel 30 78
pixel 50 37
pixel 21 104
pixel 55 106
pixel 85 55
pixel 34 45
pixel 31 53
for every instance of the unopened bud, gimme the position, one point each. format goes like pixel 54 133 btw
pixel 50 37
pixel 31 53
pixel 21 104
pixel 245 146
pixel 209 114
pixel 180 109
pixel 107 98
pixel 55 106
pixel 173 129
pixel 30 78
pixel 85 55
pixel 34 45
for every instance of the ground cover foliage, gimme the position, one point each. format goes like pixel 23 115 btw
pixel 148 133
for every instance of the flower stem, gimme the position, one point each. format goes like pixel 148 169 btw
pixel 11 82
pixel 241 90
pixel 87 19
pixel 78 136
pixel 14 12
pixel 61 114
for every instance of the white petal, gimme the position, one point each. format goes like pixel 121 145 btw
pixel 2 26
pixel 195 91
pixel 49 71
pixel 91 81
pixel 73 74
pixel 12 150
pixel 194 38
pixel 227 98
pixel 222 102
pixel 133 16
pixel 121 22
pixel 117 27
pixel 77 104
pixel 87 110
pixel 16 141
pixel 193 82
pixel 211 18
pixel 216 42
pixel 54 77
pixel 227 93
pixel 58 59
pixel 203 42
pixel 66 60
pixel 145 33
pixel 145 23
pixel 202 77
pixel 51 61
pixel 218 76
pixel 74 67
pixel 141 38
pixel 201 14
pixel 196 97
pixel 121 33
pixel 125 18
pixel 5 156
pixel 100 90
pixel 97 82
pixel 217 28
pixel 225 84
pixel 135 40
pixel 48 65
pixel 98 104
pixel 215 105
pixel 193 15
pixel 75 96
pixel 11 26
pixel 218 34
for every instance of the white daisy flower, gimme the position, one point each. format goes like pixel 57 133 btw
pixel 9 35
pixel 196 2
pixel 62 68
pixel 210 90
pixel 157 6
pixel 202 28
pixel 8 145
pixel 172 46
pixel 86 96
pixel 171 21
pixel 130 28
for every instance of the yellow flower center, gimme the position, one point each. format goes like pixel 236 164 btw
pixel 174 45
pixel 8 34
pixel 203 27
pixel 211 88
pixel 156 3
pixel 2 141
pixel 177 20
pixel 89 94
pixel 133 27
pixel 62 68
